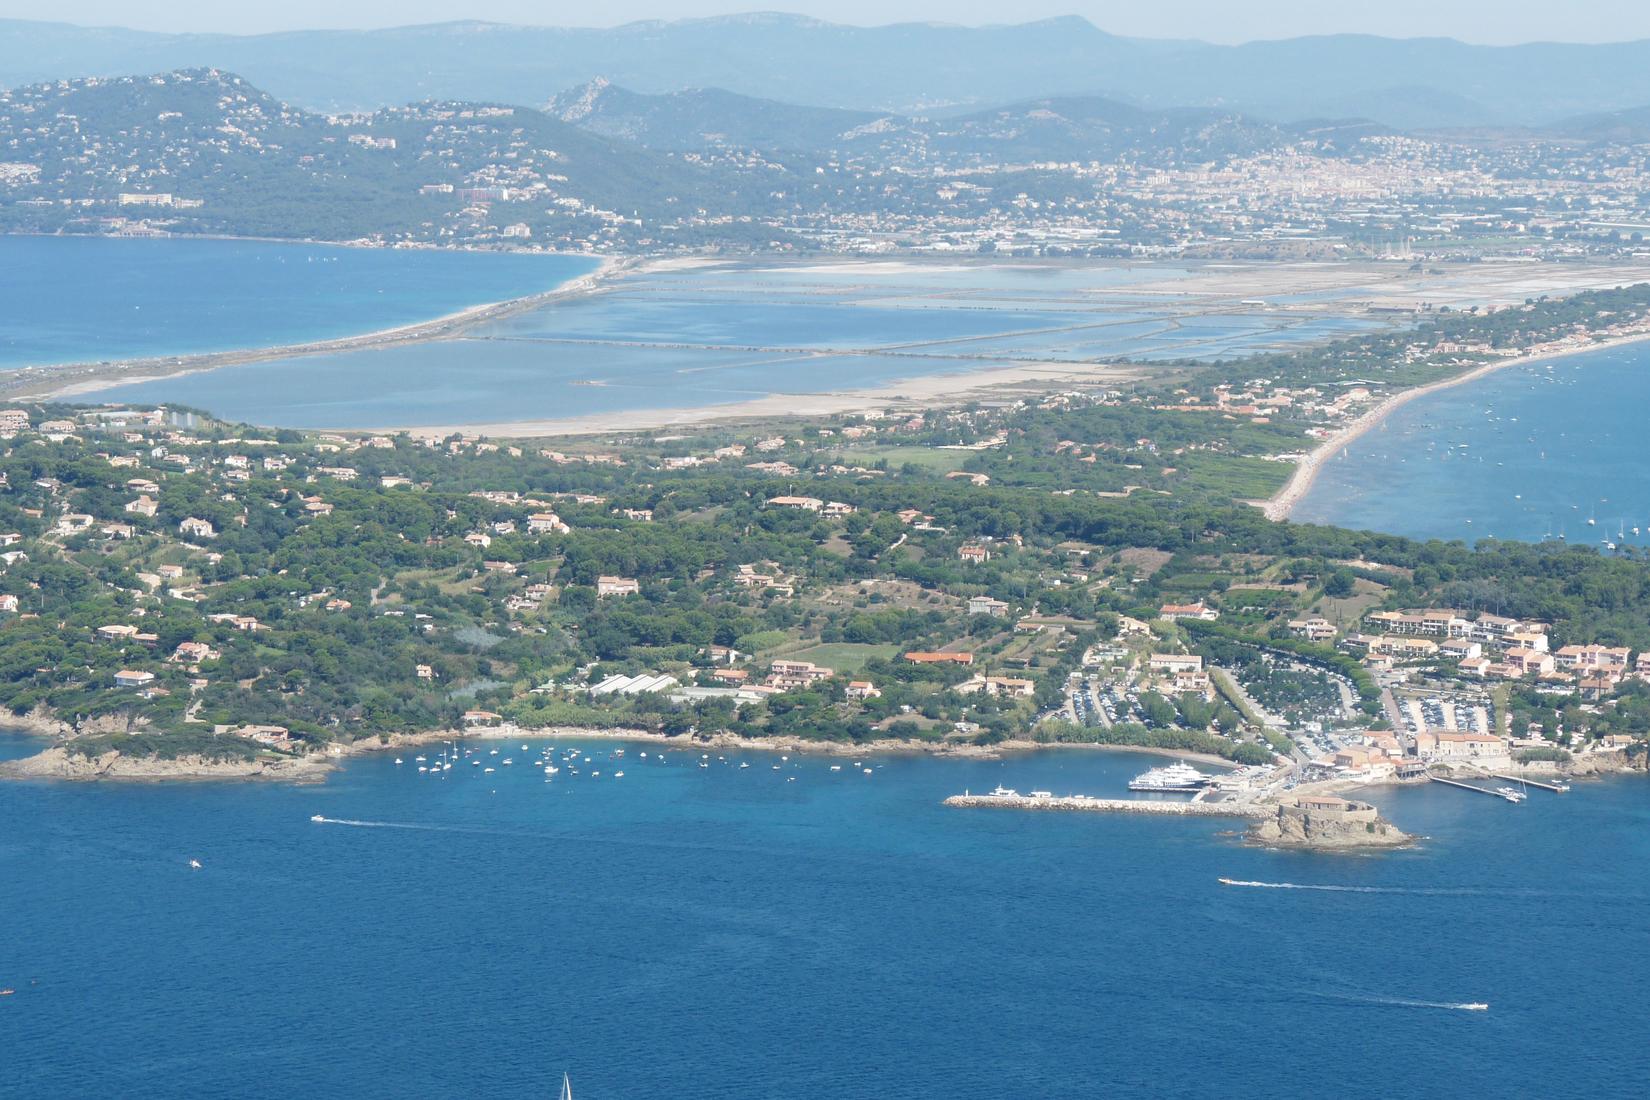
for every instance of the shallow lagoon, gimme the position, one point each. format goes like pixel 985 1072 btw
pixel 711 335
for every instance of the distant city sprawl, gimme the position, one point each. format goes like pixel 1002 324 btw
pixel 600 169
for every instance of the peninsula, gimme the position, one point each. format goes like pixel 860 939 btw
pixel 1070 568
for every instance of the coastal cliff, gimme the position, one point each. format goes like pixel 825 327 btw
pixel 60 763
pixel 1327 823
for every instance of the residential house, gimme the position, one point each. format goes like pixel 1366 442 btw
pixel 617 586
pixel 1610 660
pixel 932 658
pixel 1314 629
pixel 1177 611
pixel 806 504
pixel 193 653
pixel 546 523
pixel 998 685
pixel 789 674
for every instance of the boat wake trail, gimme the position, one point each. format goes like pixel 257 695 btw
pixel 1404 1002
pixel 319 820
pixel 1336 889
pixel 1433 891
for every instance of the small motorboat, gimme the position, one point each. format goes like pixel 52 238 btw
pixel 319 818
pixel 194 865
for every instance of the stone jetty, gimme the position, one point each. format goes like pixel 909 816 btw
pixel 1088 804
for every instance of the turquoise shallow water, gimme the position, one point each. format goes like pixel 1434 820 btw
pixel 86 299
pixel 725 933
pixel 1529 452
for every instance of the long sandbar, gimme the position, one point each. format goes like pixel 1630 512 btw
pixel 928 391
pixel 49 383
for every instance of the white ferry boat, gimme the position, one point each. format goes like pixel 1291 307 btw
pixel 1178 777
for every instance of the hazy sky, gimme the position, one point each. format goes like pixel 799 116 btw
pixel 1490 21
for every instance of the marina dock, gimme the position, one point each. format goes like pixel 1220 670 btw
pixel 1470 787
pixel 1088 804
pixel 1556 788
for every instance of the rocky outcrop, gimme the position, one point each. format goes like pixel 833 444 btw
pixel 1609 763
pixel 1327 823
pixel 60 763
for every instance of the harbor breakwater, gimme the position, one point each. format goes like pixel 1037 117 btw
pixel 1083 802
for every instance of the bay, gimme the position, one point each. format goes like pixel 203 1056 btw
pixel 726 932
pixel 1529 452
pixel 96 299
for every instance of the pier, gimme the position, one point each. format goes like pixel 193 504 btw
pixel 1467 786
pixel 1556 788
pixel 1088 804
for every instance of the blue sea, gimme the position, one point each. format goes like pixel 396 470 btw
pixel 94 299
pixel 728 932
pixel 729 332
pixel 1529 452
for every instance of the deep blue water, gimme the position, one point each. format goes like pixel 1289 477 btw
pixel 86 299
pixel 725 933
pixel 1548 447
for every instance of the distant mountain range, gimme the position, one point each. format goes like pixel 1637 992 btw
pixel 905 69
pixel 207 151
pixel 261 167
pixel 1063 128
pixel 708 118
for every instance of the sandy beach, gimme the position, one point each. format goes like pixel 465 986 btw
pixel 1279 506
pixel 928 391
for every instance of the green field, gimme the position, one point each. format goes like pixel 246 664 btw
pixel 842 656
pixel 929 458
